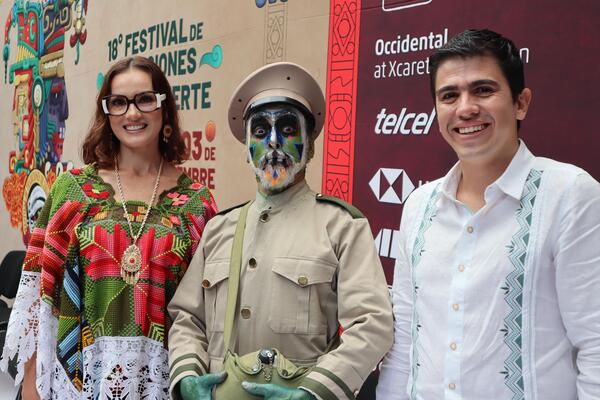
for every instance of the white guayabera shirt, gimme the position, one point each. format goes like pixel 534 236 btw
pixel 503 303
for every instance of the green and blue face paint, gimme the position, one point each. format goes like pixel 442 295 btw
pixel 277 144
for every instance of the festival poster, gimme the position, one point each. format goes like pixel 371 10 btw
pixel 55 54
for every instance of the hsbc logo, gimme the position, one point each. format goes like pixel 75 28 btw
pixel 405 123
pixel 397 5
pixel 391 185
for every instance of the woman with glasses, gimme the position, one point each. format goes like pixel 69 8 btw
pixel 109 248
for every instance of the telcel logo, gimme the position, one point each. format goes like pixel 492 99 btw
pixel 405 123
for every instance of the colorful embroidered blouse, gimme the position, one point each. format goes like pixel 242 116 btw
pixel 95 335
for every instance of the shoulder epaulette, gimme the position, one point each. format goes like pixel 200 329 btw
pixel 223 212
pixel 355 212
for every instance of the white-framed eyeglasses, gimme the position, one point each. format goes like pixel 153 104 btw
pixel 117 104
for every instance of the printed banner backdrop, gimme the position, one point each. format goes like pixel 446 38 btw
pixel 381 136
pixel 382 139
pixel 55 54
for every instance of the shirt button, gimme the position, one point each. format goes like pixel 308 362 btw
pixel 264 217
pixel 205 283
pixel 455 307
pixel 461 268
pixel 452 386
pixel 453 346
pixel 252 262
pixel 245 313
pixel 470 229
pixel 302 280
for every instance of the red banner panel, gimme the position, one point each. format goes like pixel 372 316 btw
pixel 382 138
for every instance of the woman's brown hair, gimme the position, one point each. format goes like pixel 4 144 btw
pixel 101 145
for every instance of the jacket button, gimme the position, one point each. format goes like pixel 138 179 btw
pixel 252 262
pixel 205 283
pixel 302 280
pixel 264 217
pixel 245 313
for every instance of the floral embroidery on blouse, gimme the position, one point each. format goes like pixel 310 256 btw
pixel 75 250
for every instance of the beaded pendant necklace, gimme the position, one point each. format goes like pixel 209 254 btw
pixel 131 261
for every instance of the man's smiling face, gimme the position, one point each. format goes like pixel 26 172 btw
pixel 476 112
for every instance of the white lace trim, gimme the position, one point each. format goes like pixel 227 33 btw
pixel 46 353
pixel 125 367
pixel 59 385
pixel 117 368
pixel 22 331
pixel 113 367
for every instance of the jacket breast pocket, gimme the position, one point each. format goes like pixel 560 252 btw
pixel 215 282
pixel 301 290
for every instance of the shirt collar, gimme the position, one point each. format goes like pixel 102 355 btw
pixel 281 199
pixel 510 182
pixel 449 183
pixel 513 179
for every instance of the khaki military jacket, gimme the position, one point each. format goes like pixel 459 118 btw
pixel 308 267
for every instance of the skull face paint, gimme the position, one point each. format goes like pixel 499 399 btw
pixel 35 203
pixel 277 145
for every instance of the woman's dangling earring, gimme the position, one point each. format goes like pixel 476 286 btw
pixel 167 132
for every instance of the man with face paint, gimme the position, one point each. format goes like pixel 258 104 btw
pixel 276 137
pixel 311 284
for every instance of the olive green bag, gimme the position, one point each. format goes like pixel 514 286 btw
pixel 250 367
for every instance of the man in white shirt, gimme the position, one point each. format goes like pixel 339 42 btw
pixel 497 284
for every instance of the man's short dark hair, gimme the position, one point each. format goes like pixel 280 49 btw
pixel 482 42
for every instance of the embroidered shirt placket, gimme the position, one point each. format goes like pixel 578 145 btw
pixel 417 251
pixel 461 267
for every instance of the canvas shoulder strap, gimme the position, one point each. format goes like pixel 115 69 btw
pixel 235 265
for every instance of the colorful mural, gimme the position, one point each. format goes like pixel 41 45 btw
pixel 40 104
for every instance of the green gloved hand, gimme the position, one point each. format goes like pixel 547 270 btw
pixel 200 387
pixel 276 392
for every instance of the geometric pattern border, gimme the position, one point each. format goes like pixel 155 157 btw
pixel 275 32
pixel 513 288
pixel 340 125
